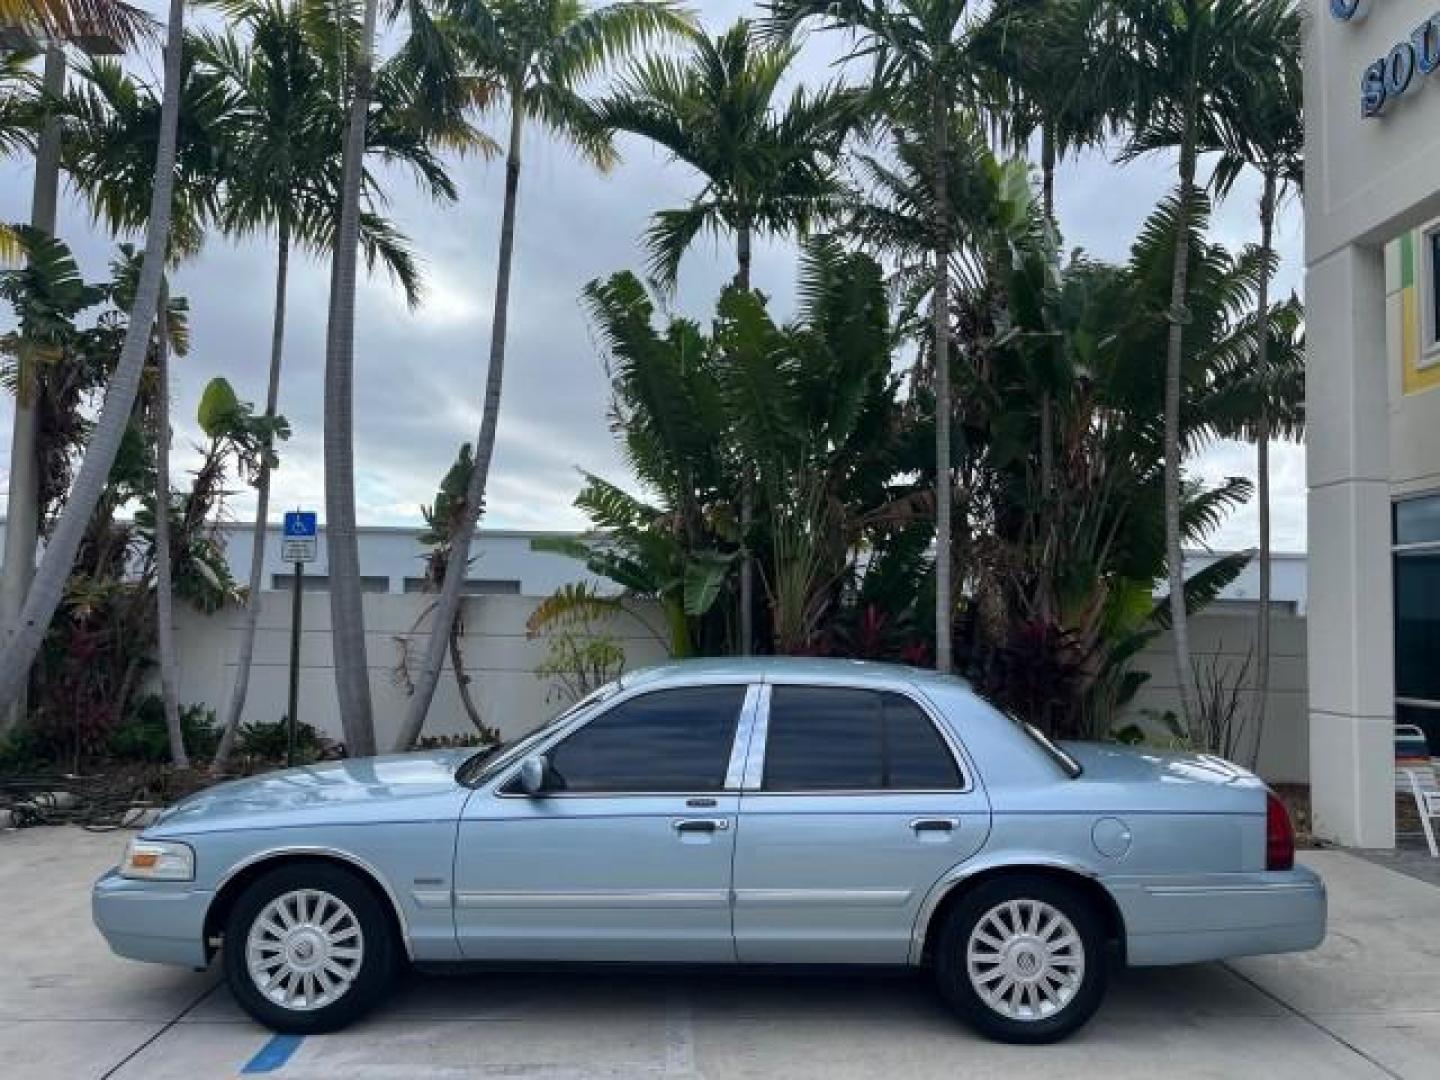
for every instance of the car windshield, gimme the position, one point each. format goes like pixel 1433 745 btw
pixel 484 764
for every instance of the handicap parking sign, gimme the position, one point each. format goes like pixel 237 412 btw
pixel 298 541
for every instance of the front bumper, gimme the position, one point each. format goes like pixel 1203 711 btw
pixel 161 922
pixel 1215 916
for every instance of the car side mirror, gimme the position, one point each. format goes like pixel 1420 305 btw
pixel 534 771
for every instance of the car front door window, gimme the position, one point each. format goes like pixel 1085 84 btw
pixel 667 741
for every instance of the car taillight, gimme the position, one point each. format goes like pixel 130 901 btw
pixel 1279 835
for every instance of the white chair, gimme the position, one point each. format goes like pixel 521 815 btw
pixel 1415 775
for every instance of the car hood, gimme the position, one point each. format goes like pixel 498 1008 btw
pixel 400 786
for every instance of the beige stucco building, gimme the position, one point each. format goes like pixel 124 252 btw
pixel 1372 252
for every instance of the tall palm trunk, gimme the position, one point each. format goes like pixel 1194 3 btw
pixel 452 588
pixel 22 519
pixel 1174 357
pixel 1047 169
pixel 944 597
pixel 236 708
pixel 1047 407
pixel 49 583
pixel 164 564
pixel 747 484
pixel 347 614
pixel 1262 464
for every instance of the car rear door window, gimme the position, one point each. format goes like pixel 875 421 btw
pixel 842 739
pixel 916 757
pixel 823 738
pixel 671 740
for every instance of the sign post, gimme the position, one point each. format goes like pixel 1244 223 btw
pixel 297 547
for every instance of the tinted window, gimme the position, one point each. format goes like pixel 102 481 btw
pixel 822 738
pixel 1417 626
pixel 831 739
pixel 915 755
pixel 1435 287
pixel 1417 521
pixel 671 740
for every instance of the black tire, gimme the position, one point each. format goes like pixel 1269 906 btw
pixel 1047 1022
pixel 373 970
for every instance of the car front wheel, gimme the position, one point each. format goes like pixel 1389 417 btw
pixel 308 948
pixel 1022 957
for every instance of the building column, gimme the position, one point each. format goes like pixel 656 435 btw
pixel 1350 624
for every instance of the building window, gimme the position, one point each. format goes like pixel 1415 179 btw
pixel 1430 301
pixel 1417 615
pixel 369 583
pixel 472 586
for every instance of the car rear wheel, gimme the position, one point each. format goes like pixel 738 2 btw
pixel 1022 957
pixel 308 948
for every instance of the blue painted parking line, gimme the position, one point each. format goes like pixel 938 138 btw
pixel 274 1054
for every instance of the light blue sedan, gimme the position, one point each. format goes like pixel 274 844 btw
pixel 729 812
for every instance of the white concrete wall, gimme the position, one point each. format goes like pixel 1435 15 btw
pixel 502 663
pixel 498 656
pixel 1224 636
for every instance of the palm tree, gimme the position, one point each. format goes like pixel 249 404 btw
pixel 284 140
pixel 22 523
pixel 923 72
pixel 92 22
pixel 1171 69
pixel 112 126
pixel 538 53
pixel 1031 81
pixel 49 583
pixel 347 615
pixel 767 169
pixel 1265 132
pixel 430 54
pixel 768 166
pixel 164 565
pixel 120 23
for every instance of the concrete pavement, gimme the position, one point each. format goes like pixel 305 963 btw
pixel 1367 1004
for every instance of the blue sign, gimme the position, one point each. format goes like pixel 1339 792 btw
pixel 300 524
pixel 1400 69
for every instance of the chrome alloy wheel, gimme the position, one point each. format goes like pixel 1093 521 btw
pixel 305 949
pixel 1025 959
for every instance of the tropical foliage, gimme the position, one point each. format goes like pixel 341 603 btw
pixel 100 646
pixel 962 446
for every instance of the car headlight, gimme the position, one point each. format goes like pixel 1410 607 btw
pixel 158 860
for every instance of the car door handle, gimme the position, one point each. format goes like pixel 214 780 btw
pixel 703 824
pixel 935 824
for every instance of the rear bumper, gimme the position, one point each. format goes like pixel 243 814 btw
pixel 159 922
pixel 1214 916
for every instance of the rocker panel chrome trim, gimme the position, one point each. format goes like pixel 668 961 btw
pixel 597 898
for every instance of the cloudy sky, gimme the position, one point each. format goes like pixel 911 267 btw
pixel 419 374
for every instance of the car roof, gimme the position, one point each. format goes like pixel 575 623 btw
pixel 786 669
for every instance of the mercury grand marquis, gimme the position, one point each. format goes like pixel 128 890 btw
pixel 737 812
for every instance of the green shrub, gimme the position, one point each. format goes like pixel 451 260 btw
pixel 142 735
pixel 20 751
pixel 269 740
